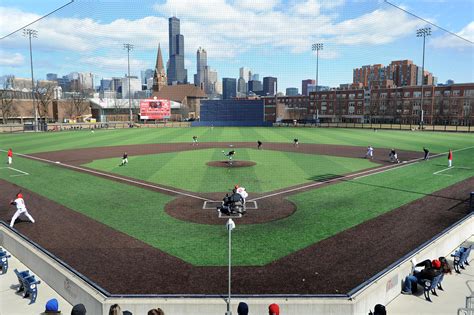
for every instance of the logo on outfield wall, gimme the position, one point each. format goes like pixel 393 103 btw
pixel 155 109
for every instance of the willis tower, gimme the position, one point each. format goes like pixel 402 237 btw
pixel 176 72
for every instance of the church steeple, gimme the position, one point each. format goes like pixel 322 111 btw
pixel 159 77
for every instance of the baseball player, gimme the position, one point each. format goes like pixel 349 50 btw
pixel 10 156
pixel 230 155
pixel 427 154
pixel 241 191
pixel 124 159
pixel 20 209
pixel 450 158
pixel 195 140
pixel 296 142
pixel 259 144
pixel 394 156
pixel 370 153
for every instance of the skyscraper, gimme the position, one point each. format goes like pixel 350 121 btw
pixel 291 91
pixel 159 75
pixel 304 86
pixel 229 88
pixel 245 73
pixel 176 72
pixel 255 86
pixel 241 87
pixel 270 86
pixel 201 64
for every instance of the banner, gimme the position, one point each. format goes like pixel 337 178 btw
pixel 155 109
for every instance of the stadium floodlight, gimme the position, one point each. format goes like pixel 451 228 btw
pixel 28 32
pixel 317 47
pixel 423 32
pixel 230 225
pixel 129 47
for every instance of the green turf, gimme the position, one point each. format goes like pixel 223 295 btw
pixel 37 142
pixel 274 169
pixel 321 213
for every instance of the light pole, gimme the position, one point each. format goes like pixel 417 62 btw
pixel 317 47
pixel 129 47
pixel 230 225
pixel 28 32
pixel 423 32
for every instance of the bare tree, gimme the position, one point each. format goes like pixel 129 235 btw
pixel 7 107
pixel 44 95
pixel 80 104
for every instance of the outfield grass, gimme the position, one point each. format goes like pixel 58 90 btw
pixel 407 140
pixel 321 213
pixel 274 169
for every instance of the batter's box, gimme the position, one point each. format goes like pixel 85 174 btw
pixel 229 216
pixel 212 205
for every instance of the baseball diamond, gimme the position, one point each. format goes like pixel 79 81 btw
pixel 311 206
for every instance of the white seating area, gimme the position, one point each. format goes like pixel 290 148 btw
pixel 12 303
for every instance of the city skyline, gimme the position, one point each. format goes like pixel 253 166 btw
pixel 353 35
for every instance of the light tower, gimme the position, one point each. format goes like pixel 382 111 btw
pixel 28 32
pixel 129 47
pixel 423 32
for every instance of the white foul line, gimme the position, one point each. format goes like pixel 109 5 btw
pixel 14 169
pixel 435 173
pixel 363 174
pixel 111 176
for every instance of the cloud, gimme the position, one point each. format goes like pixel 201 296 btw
pixel 11 59
pixel 257 5
pixel 112 63
pixel 451 41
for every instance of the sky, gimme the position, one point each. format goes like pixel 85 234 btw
pixel 271 37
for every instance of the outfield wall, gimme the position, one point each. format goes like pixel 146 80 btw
pixel 382 288
pixel 436 128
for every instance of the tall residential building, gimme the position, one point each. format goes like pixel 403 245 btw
pixel 401 72
pixel 176 72
pixel 304 86
pixel 270 86
pixel 229 88
pixel 241 87
pixel 135 86
pixel 211 80
pixel 201 64
pixel 159 75
pixel 245 73
pixel 255 86
pixel 291 91
pixel 145 75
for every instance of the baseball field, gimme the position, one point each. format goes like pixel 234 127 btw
pixel 321 217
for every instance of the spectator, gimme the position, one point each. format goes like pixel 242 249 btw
pixel 379 309
pixel 156 311
pixel 274 309
pixel 115 310
pixel 78 309
pixel 445 267
pixel 52 307
pixel 243 309
pixel 429 272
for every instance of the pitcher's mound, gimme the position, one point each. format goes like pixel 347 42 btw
pixel 231 164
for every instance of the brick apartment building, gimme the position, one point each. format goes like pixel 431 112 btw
pixel 442 105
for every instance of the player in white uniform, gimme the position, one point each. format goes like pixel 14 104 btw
pixel 241 191
pixel 20 209
pixel 370 153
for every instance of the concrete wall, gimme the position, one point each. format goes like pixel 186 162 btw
pixel 380 290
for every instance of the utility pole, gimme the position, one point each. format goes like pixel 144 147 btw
pixel 32 33
pixel 129 47
pixel 423 32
